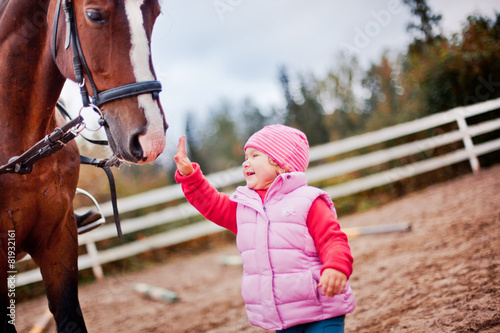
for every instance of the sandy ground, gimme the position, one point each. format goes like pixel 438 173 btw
pixel 443 276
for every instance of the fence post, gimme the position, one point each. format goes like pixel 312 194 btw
pixel 93 254
pixel 469 145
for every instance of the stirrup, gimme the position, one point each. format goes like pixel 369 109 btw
pixel 91 219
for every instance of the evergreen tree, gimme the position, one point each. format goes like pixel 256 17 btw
pixel 337 93
pixel 194 139
pixel 252 119
pixel 222 148
pixel 306 115
pixel 311 116
pixel 385 102
pixel 291 117
pixel 428 20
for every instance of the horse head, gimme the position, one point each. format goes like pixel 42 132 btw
pixel 110 56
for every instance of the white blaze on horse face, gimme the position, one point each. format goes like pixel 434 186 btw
pixel 153 142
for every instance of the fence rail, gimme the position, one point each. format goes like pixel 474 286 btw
pixel 324 171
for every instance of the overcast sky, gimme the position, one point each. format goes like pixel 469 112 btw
pixel 204 51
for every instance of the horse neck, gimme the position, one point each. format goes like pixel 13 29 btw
pixel 30 82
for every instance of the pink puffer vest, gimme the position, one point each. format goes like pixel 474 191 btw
pixel 281 267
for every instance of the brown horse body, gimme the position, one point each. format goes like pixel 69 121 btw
pixel 37 206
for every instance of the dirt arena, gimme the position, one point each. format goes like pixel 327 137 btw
pixel 443 276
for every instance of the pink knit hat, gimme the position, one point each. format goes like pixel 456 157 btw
pixel 287 146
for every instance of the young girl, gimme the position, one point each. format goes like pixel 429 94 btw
pixel 296 260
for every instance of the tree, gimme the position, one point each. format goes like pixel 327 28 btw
pixel 312 115
pixel 252 119
pixel 222 148
pixel 339 93
pixel 385 102
pixel 306 115
pixel 427 19
pixel 460 71
pixel 194 140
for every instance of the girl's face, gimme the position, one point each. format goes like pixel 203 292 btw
pixel 259 173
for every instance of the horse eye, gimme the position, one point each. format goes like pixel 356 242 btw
pixel 94 16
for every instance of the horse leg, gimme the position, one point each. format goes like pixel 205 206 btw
pixel 59 267
pixel 6 281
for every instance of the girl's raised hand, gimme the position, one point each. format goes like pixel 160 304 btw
pixel 183 163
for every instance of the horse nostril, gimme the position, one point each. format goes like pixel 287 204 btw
pixel 135 147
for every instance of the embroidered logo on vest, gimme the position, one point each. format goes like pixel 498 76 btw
pixel 288 210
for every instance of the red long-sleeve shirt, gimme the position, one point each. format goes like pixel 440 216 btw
pixel 331 242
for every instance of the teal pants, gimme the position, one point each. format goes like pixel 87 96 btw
pixel 332 325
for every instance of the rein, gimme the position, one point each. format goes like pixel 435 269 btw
pixel 54 142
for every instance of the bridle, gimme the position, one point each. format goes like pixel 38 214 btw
pixel 56 140
pixel 98 98
pixel 80 65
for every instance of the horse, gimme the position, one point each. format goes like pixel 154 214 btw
pixel 104 46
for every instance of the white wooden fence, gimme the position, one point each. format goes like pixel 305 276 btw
pixel 94 258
